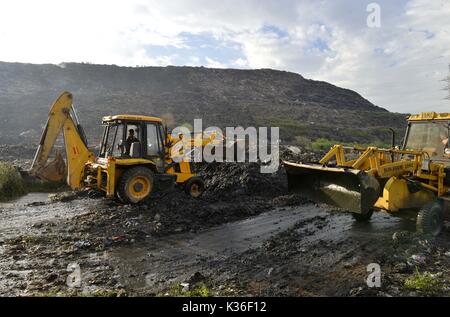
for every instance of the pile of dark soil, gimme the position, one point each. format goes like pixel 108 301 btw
pixel 233 191
pixel 225 179
pixel 300 155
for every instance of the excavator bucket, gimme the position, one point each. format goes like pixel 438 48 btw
pixel 53 171
pixel 346 188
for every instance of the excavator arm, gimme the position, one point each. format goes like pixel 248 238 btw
pixel 62 116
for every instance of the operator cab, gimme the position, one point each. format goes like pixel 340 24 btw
pixel 429 132
pixel 132 137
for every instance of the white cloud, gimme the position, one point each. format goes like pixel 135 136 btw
pixel 398 66
pixel 211 63
pixel 240 62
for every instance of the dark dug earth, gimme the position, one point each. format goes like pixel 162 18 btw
pixel 245 236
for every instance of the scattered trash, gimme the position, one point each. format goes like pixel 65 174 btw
pixel 417 259
pixel 185 287
pixel 82 244
pixel 117 238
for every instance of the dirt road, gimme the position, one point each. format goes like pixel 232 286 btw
pixel 299 249
pixel 245 236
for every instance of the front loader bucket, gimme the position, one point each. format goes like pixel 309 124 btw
pixel 346 188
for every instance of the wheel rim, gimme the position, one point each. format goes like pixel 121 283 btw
pixel 195 190
pixel 139 187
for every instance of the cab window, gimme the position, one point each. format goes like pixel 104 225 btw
pixel 153 140
pixel 111 139
pixel 431 137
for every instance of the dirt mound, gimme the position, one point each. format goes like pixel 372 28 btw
pixel 233 191
pixel 299 155
pixel 225 179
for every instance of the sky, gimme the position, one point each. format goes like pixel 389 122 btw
pixel 398 59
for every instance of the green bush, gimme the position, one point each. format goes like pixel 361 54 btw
pixel 324 144
pixel 425 282
pixel 200 290
pixel 11 183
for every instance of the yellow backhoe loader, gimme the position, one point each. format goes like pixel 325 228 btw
pixel 134 160
pixel 415 177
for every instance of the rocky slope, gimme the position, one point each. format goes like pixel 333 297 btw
pixel 221 97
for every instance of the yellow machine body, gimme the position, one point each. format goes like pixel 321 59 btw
pixel 394 179
pixel 104 171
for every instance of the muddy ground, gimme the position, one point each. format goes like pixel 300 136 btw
pixel 246 236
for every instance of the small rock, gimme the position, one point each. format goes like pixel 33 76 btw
pixel 270 271
pixel 63 197
pixel 400 236
pixel 196 278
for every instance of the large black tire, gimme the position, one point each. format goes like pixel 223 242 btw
pixel 194 187
pixel 430 218
pixel 364 217
pixel 135 185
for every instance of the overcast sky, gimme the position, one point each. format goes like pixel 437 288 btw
pixel 399 66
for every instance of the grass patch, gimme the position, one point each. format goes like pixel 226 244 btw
pixel 11 182
pixel 425 282
pixel 323 144
pixel 349 132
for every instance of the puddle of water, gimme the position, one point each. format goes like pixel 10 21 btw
pixel 179 256
pixel 27 199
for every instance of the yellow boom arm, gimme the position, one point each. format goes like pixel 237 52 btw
pixel 62 117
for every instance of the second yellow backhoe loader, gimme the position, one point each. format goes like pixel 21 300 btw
pixel 134 159
pixel 415 177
